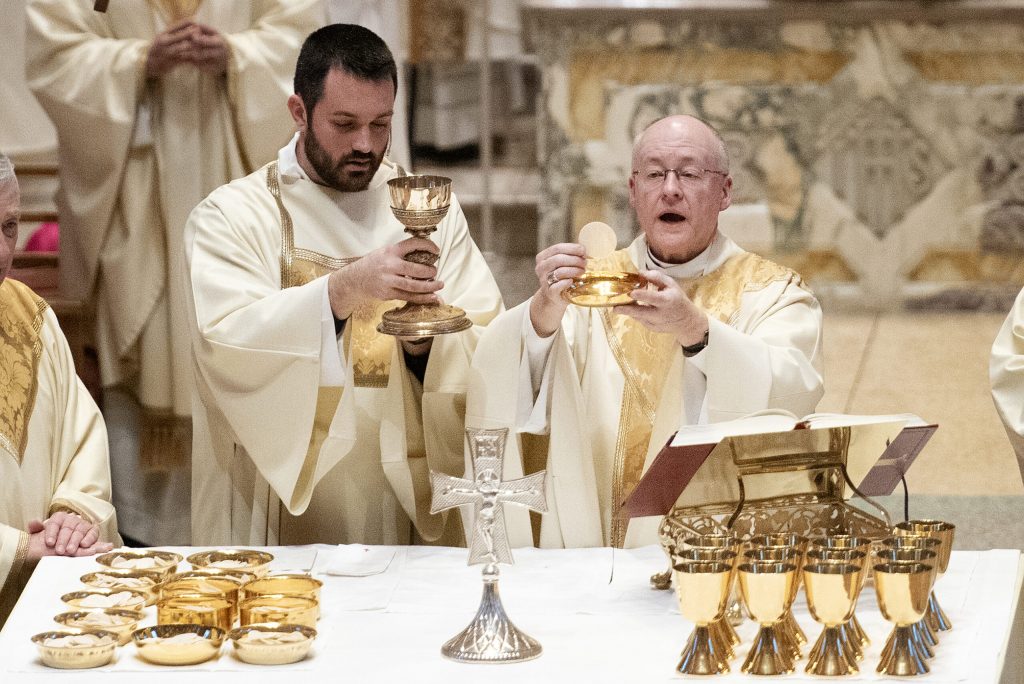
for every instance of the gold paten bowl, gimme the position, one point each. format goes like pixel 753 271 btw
pixel 116 621
pixel 232 560
pixel 76 657
pixel 156 644
pixel 126 599
pixel 163 562
pixel 200 609
pixel 261 652
pixel 134 580
pixel 278 608
pixel 602 288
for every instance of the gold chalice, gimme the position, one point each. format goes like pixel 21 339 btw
pixel 857 639
pixel 712 540
pixel 419 203
pixel 832 590
pixel 924 636
pixel 841 541
pixel 943 531
pixel 703 591
pixel 903 590
pixel 767 590
pixel 789 632
pixel 721 629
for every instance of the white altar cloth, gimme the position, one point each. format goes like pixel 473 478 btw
pixel 591 609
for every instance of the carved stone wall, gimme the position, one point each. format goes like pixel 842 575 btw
pixel 877 147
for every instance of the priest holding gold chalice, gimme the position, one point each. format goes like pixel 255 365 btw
pixel 619 348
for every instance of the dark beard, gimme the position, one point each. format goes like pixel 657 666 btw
pixel 334 175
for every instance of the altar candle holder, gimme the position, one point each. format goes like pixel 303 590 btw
pixel 420 203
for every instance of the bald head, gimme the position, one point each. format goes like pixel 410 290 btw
pixel 681 127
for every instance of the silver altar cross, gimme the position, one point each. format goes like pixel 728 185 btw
pixel 490 637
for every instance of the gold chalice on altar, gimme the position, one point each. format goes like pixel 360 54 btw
pixel 924 636
pixel 419 203
pixel 721 629
pixel 903 590
pixel 851 632
pixel 789 632
pixel 767 590
pixel 703 591
pixel 943 531
pixel 832 591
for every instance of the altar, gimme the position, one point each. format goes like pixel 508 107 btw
pixel 591 609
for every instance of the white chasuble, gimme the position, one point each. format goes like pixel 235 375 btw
pixel 613 392
pixel 287 451
pixel 1006 373
pixel 137 154
pixel 53 444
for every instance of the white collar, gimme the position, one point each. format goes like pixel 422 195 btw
pixel 695 267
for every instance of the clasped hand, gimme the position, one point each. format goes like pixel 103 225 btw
pixel 188 42
pixel 64 534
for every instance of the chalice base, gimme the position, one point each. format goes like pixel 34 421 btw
pixel 936 617
pixel 423 320
pixel 722 639
pixel 829 656
pixel 767 656
pixel 703 654
pixel 855 631
pixel 727 631
pixel 850 642
pixel 491 637
pixel 900 657
pixel 793 627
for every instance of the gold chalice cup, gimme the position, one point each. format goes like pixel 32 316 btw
pixel 943 531
pixel 924 636
pixel 778 539
pixel 703 591
pixel 767 590
pixel 420 203
pixel 857 639
pixel 902 590
pixel 718 540
pixel 788 631
pixel 832 590
pixel 721 629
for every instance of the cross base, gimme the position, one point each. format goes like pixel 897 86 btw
pixel 491 637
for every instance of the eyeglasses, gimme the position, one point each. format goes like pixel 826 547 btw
pixel 688 177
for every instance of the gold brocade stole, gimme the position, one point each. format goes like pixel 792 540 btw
pixel 21 319
pixel 644 358
pixel 176 10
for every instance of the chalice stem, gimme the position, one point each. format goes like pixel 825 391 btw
pixel 936 617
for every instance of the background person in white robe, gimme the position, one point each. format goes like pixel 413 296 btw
pixel 54 472
pixel 718 333
pixel 1006 373
pixel 156 103
pixel 310 426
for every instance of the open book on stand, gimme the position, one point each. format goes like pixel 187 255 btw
pixel 877 454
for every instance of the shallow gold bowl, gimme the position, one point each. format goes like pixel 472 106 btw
pixel 153 645
pixel 256 562
pixel 80 599
pixel 602 288
pixel 200 609
pixel 164 562
pixel 125 622
pixel 144 581
pixel 76 657
pixel 264 653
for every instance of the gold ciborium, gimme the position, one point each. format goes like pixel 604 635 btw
pixel 902 590
pixel 703 590
pixel 419 203
pixel 832 590
pixel 767 590
pixel 943 531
